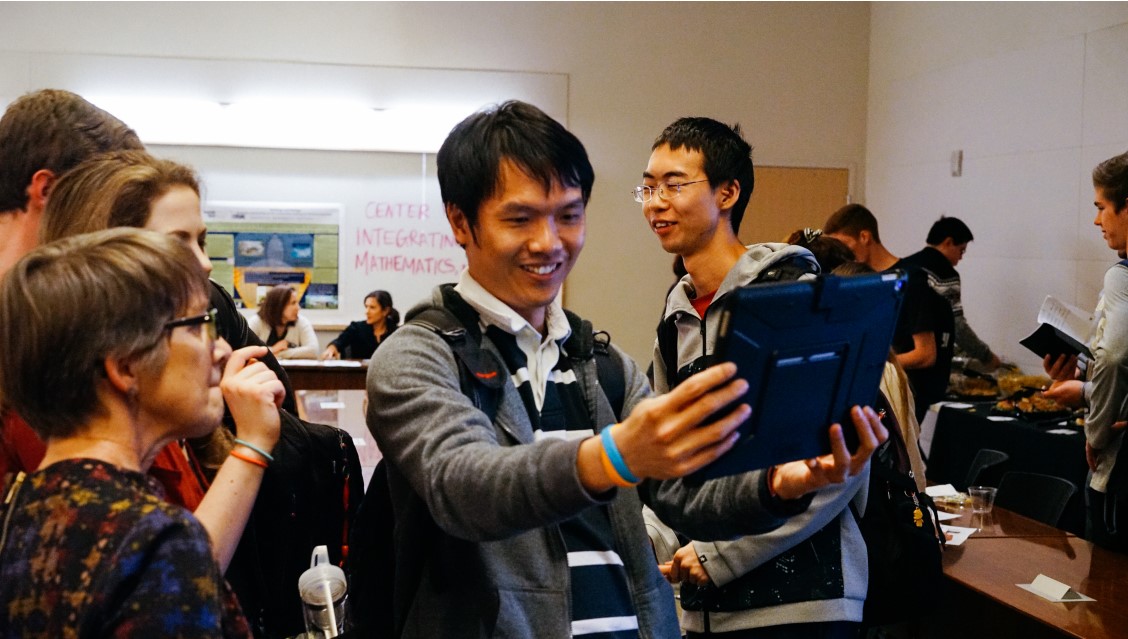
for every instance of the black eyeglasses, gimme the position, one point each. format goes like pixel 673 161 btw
pixel 207 319
pixel 643 193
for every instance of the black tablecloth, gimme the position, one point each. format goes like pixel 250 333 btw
pixel 961 433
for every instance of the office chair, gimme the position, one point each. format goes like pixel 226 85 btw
pixel 1034 495
pixel 984 459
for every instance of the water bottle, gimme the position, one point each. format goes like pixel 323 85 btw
pixel 324 593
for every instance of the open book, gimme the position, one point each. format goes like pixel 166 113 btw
pixel 1062 329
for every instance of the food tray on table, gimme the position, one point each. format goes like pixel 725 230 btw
pixel 1033 407
pixel 980 388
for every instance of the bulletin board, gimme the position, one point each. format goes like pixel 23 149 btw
pixel 255 246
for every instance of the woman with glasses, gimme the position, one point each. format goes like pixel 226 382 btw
pixel 132 188
pixel 281 327
pixel 87 546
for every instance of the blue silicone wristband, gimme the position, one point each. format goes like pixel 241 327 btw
pixel 258 450
pixel 616 458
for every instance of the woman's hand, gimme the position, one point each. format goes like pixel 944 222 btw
pixel 330 352
pixel 253 394
pixel 279 346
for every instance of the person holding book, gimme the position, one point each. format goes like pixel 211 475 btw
pixel 1101 384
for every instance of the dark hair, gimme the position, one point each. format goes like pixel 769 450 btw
pixel 384 299
pixel 54 130
pixel 851 220
pixel 469 161
pixel 852 268
pixel 109 190
pixel 1111 177
pixel 727 156
pixel 947 227
pixel 67 306
pixel 276 299
pixel 828 251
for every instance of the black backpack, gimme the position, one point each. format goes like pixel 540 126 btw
pixel 482 376
pixel 309 497
pixel 902 534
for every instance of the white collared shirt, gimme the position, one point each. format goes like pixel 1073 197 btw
pixel 541 353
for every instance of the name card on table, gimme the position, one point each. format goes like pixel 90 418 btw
pixel 1053 590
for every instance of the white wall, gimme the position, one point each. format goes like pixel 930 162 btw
pixel 795 75
pixel 1035 94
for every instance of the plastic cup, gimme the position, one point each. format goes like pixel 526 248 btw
pixel 982 498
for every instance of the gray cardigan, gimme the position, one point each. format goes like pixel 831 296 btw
pixel 478 549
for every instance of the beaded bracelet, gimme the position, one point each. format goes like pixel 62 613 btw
pixel 616 459
pixel 250 460
pixel 267 456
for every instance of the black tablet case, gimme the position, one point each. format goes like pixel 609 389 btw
pixel 810 351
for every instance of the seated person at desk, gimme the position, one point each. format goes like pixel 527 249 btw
pixel 278 324
pixel 89 547
pixel 360 339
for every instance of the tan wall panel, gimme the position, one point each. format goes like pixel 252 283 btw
pixel 789 198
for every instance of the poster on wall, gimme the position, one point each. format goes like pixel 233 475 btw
pixel 255 246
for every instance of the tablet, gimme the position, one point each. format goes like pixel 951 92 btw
pixel 810 351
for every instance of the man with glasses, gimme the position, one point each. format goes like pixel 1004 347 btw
pixel 806 578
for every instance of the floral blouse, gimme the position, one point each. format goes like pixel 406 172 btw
pixel 91 550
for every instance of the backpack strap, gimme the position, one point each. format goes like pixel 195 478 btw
pixel 785 270
pixel 481 374
pixel 668 349
pixel 584 344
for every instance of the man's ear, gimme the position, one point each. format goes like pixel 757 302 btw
pixel 39 188
pixel 727 195
pixel 865 237
pixel 460 225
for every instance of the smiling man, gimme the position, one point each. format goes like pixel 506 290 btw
pixel 527 522
pixel 806 578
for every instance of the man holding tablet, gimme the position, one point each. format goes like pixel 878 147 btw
pixel 806 578
pixel 527 522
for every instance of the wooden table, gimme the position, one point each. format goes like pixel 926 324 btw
pixel 1001 523
pixel 983 600
pixel 311 374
